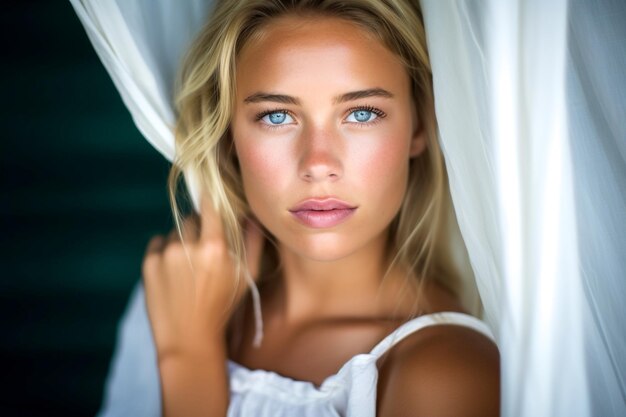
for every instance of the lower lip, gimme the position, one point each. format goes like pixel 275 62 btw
pixel 320 219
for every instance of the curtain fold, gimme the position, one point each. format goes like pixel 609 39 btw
pixel 597 109
pixel 141 44
pixel 499 78
pixel 530 99
pixel 534 93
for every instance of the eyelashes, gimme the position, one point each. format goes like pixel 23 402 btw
pixel 360 116
pixel 268 113
pixel 359 112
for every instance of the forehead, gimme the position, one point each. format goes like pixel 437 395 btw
pixel 328 50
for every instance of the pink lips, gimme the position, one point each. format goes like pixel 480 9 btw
pixel 321 213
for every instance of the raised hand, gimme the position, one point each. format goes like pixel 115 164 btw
pixel 189 293
pixel 189 296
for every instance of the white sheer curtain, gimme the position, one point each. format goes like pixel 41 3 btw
pixel 596 106
pixel 530 99
pixel 500 96
pixel 531 102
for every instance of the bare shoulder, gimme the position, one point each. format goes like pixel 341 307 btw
pixel 442 370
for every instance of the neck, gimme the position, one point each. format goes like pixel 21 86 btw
pixel 350 286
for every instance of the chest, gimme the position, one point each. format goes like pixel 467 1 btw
pixel 309 352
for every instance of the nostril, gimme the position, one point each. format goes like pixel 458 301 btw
pixel 313 176
pixel 320 166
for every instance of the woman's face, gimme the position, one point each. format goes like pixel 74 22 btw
pixel 324 127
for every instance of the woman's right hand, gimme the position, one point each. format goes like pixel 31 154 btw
pixel 189 305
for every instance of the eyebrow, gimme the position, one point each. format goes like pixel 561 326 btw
pixel 285 99
pixel 275 98
pixel 355 95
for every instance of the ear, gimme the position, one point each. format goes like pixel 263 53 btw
pixel 418 142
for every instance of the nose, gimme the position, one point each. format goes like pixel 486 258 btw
pixel 320 160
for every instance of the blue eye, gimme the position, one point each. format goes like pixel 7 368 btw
pixel 361 116
pixel 277 118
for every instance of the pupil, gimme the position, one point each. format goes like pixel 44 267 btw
pixel 277 117
pixel 362 115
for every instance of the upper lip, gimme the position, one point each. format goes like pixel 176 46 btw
pixel 321 204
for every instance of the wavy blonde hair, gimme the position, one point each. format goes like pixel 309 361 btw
pixel 205 95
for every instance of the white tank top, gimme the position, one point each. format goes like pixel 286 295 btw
pixel 132 387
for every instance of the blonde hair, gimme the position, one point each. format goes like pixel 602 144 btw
pixel 205 101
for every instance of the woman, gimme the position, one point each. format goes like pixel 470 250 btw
pixel 310 125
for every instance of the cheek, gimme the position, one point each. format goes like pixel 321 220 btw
pixel 382 162
pixel 264 171
pixel 382 165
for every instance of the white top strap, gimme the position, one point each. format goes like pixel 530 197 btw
pixel 412 326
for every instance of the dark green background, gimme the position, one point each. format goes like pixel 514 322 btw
pixel 82 192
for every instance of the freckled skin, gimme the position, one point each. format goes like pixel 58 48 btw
pixel 319 153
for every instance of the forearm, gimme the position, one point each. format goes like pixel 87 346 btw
pixel 195 384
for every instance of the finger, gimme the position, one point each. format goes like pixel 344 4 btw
pixel 152 258
pixel 210 221
pixel 172 236
pixel 155 244
pixel 191 228
pixel 254 241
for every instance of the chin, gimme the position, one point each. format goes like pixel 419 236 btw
pixel 325 247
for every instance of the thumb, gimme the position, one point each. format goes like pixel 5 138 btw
pixel 254 241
